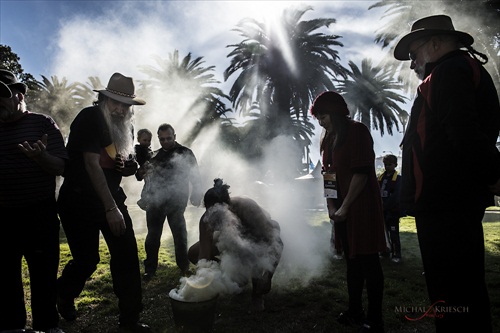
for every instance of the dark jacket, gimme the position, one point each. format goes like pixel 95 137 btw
pixel 169 174
pixel 449 152
pixel 390 186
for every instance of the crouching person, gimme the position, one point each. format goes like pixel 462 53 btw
pixel 241 235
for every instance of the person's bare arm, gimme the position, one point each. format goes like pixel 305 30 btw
pixel 113 215
pixel 206 241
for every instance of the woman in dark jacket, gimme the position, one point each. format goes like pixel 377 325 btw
pixel 355 206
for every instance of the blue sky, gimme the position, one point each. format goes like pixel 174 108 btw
pixel 78 39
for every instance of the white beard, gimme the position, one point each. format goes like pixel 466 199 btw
pixel 120 130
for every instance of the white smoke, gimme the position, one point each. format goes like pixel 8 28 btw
pixel 241 259
pixel 92 43
pixel 208 282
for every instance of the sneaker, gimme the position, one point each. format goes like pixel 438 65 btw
pixel 134 328
pixel 370 328
pixel 148 276
pixel 396 260
pixel 351 319
pixel 54 330
pixel 66 308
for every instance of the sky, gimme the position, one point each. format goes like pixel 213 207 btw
pixel 78 39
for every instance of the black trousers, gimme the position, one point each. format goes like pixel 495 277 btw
pixel 155 218
pixel 31 232
pixel 361 269
pixel 452 248
pixel 82 224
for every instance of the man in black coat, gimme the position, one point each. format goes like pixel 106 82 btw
pixel 451 168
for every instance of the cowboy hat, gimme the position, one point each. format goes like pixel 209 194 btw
pixel 429 26
pixel 10 80
pixel 121 88
pixel 5 91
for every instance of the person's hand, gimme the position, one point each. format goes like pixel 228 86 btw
pixel 130 167
pixel 36 149
pixel 143 170
pixel 495 188
pixel 339 215
pixel 195 198
pixel 116 222
pixel 119 163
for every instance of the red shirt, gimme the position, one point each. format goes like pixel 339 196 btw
pixel 365 221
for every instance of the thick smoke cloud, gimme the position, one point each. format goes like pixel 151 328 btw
pixel 119 41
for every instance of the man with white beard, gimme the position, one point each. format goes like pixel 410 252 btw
pixel 91 200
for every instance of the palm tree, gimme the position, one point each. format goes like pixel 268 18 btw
pixel 371 93
pixel 479 18
pixel 282 68
pixel 85 94
pixel 186 79
pixel 59 99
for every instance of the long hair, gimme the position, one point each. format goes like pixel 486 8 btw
pixel 333 104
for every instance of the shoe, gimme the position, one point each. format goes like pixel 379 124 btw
pixel 66 308
pixel 188 272
pixel 54 330
pixel 148 276
pixel 371 328
pixel 384 255
pixel 351 319
pixel 337 256
pixel 134 328
pixel 396 260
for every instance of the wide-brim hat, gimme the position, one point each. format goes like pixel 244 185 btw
pixel 121 88
pixel 5 91
pixel 429 26
pixel 9 79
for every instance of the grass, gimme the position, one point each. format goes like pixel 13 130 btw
pixel 292 306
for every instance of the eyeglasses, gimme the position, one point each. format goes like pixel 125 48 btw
pixel 413 54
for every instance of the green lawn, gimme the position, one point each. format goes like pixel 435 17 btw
pixel 307 293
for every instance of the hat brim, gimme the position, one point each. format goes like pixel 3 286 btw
pixel 19 86
pixel 122 99
pixel 5 91
pixel 402 49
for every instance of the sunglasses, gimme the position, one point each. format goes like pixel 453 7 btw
pixel 413 54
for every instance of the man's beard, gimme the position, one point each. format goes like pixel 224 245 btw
pixel 120 129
